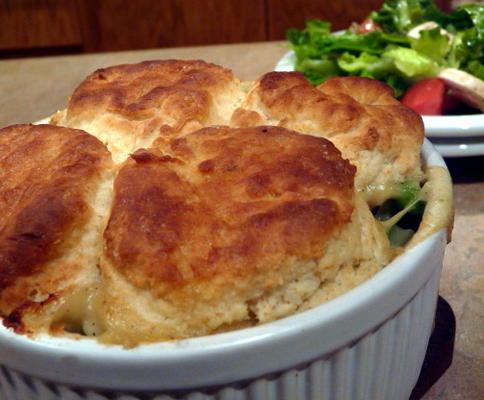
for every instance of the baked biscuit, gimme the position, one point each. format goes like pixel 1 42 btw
pixel 373 130
pixel 230 226
pixel 51 213
pixel 129 106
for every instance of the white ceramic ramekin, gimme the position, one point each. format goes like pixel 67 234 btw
pixel 368 344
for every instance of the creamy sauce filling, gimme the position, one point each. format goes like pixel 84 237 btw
pixel 81 312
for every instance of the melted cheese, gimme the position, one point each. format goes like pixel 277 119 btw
pixel 377 195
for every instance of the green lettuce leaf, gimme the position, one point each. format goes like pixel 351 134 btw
pixel 475 68
pixel 411 63
pixel 433 44
pixel 402 15
pixel 462 18
pixel 376 67
pixel 317 71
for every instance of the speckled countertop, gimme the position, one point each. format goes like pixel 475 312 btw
pixel 35 88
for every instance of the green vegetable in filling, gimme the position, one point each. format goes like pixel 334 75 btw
pixel 401 215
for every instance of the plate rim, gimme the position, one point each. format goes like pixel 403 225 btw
pixel 451 150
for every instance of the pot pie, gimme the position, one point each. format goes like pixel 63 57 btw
pixel 171 200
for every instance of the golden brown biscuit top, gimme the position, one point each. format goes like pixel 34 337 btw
pixel 387 123
pixel 137 91
pixel 359 115
pixel 43 175
pixel 225 204
pixel 336 106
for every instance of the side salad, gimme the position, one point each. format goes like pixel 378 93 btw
pixel 433 60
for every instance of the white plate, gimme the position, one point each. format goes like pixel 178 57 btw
pixel 42 121
pixel 462 149
pixel 286 63
pixel 448 126
pixel 453 126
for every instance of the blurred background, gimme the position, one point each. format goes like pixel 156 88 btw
pixel 53 27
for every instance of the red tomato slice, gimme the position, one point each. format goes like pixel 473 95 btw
pixel 426 96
